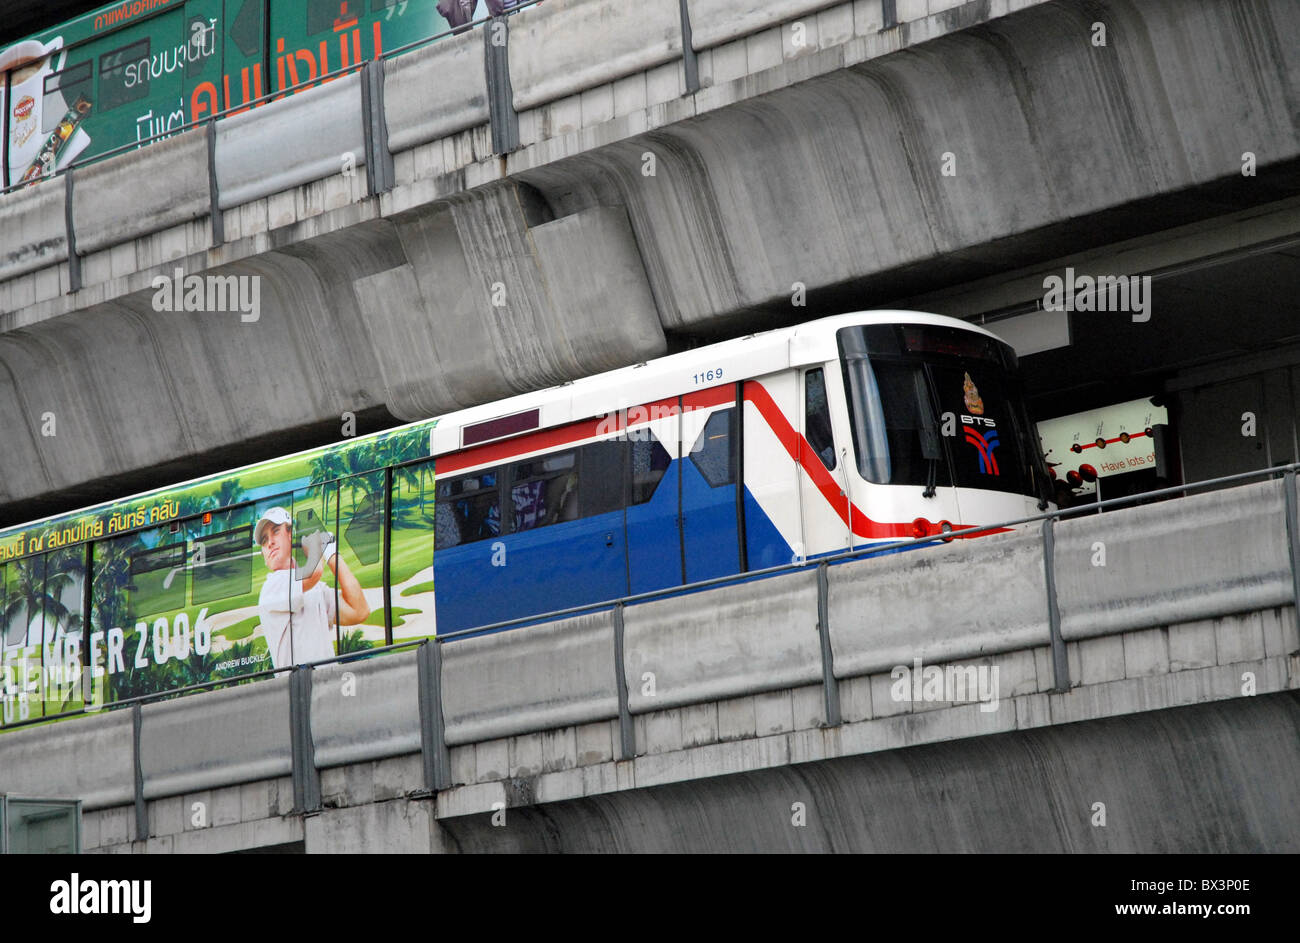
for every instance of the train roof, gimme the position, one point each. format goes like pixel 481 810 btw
pixel 738 359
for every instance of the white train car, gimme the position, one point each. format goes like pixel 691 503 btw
pixel 790 444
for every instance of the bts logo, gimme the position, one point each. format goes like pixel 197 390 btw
pixel 985 443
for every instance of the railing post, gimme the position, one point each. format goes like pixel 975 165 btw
pixel 433 737
pixel 690 62
pixel 888 14
pixel 830 686
pixel 503 118
pixel 1060 663
pixel 626 732
pixel 74 261
pixel 141 810
pixel 1293 534
pixel 379 162
pixel 306 778
pixel 214 195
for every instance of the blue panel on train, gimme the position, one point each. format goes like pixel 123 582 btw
pixel 764 544
pixel 654 548
pixel 563 565
pixel 709 522
pixel 555 567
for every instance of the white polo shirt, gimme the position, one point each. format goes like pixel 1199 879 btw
pixel 282 604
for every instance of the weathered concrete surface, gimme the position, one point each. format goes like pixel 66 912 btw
pixel 1203 779
pixel 759 636
pixel 113 206
pixel 254 160
pixel 1056 146
pixel 241 735
pixel 436 91
pixel 35 234
pixel 550 48
pixel 539 678
pixel 1107 566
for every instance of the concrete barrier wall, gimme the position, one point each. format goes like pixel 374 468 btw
pixel 535 678
pixel 34 227
pixel 364 710
pixel 714 22
pixel 109 206
pixel 563 47
pixel 290 142
pixel 435 91
pixel 1205 556
pixel 961 600
pixel 735 640
pixel 86 758
pixel 238 735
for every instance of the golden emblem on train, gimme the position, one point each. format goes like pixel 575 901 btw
pixel 972 395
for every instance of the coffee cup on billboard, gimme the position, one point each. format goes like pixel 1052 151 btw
pixel 32 118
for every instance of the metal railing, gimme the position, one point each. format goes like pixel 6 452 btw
pixel 433 744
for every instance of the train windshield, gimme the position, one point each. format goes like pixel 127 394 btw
pixel 935 407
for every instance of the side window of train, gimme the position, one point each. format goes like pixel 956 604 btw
pixel 120 78
pixel 227 568
pixel 817 417
pixel 468 509
pixel 544 490
pixel 63 90
pixel 602 477
pixel 650 461
pixel 157 580
pixel 712 453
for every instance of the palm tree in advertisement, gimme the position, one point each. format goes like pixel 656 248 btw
pixel 65 577
pixel 412 477
pixel 325 467
pixel 25 596
pixel 112 574
pixel 231 492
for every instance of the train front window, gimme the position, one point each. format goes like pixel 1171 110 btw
pixel 937 406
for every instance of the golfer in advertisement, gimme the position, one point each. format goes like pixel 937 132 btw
pixel 297 614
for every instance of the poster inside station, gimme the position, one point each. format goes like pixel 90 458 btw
pixel 1111 440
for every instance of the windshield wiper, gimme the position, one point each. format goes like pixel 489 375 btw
pixel 931 448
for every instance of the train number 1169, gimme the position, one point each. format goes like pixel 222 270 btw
pixel 708 376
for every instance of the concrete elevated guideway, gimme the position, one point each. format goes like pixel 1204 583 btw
pixel 525 241
pixel 1162 716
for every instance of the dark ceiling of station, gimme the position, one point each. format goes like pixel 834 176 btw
pixel 19 18
pixel 1234 310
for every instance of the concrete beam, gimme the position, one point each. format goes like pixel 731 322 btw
pixel 1035 792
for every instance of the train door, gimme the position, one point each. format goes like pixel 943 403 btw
pixel 824 499
pixel 467 544
pixel 710 484
pixel 654 537
pixel 564 544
